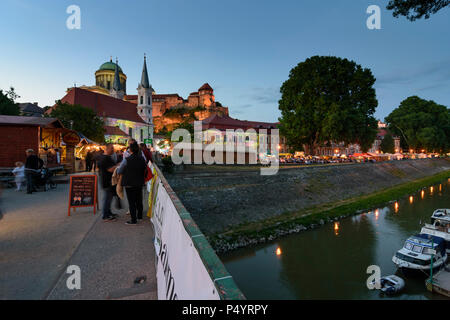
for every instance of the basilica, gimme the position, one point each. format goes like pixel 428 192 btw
pixel 140 115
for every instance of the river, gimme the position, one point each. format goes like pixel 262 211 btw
pixel 330 262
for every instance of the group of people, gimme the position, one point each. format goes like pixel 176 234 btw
pixel 130 168
pixel 26 172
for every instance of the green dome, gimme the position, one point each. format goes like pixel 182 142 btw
pixel 110 66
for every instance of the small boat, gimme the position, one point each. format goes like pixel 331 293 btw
pixel 392 284
pixel 439 227
pixel 418 251
pixel 440 213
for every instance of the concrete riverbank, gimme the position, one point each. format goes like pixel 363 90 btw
pixel 240 207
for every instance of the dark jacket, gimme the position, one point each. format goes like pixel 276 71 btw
pixel 134 171
pixel 33 162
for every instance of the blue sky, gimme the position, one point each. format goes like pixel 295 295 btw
pixel 244 49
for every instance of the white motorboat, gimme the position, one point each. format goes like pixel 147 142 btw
pixel 417 252
pixel 439 227
pixel 440 213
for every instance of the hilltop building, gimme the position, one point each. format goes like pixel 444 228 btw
pixel 139 115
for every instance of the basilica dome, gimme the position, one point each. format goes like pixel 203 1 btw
pixel 109 65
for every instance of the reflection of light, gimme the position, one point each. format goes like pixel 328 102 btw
pixel 336 228
pixel 411 199
pixel 422 193
pixel 376 214
pixel 440 187
pixel 396 206
pixel 278 252
pixel 431 189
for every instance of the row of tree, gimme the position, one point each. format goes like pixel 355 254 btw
pixel 330 99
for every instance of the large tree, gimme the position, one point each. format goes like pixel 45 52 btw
pixel 8 106
pixel 328 99
pixel 421 124
pixel 416 9
pixel 387 144
pixel 81 119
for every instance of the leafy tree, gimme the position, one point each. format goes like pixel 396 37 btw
pixel 387 144
pixel 416 9
pixel 7 103
pixel 84 120
pixel 421 124
pixel 328 99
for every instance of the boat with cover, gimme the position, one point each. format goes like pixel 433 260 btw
pixel 391 285
pixel 439 227
pixel 418 251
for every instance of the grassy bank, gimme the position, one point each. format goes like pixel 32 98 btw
pixel 291 222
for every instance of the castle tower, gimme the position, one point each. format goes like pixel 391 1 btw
pixel 116 90
pixel 144 106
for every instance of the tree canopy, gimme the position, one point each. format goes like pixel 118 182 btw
pixel 421 124
pixel 328 99
pixel 416 9
pixel 387 144
pixel 8 106
pixel 84 120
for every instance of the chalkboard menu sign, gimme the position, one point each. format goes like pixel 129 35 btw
pixel 83 191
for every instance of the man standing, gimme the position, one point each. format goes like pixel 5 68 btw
pixel 89 159
pixel 133 179
pixel 106 168
pixel 32 164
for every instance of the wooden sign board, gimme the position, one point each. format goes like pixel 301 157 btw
pixel 83 192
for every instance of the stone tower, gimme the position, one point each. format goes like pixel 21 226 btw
pixel 144 106
pixel 116 90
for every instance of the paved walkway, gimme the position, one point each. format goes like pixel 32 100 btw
pixel 38 241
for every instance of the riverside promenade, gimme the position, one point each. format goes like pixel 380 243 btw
pixel 38 241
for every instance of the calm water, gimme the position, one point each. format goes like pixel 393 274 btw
pixel 331 264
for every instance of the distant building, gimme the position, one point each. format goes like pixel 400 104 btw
pixel 31 109
pixel 215 127
pixel 152 107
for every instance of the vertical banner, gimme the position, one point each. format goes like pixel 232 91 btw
pixel 180 272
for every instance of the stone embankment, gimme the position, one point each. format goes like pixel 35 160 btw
pixel 222 200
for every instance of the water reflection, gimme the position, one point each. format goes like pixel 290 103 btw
pixel 330 262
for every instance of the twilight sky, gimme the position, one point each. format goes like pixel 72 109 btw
pixel 243 49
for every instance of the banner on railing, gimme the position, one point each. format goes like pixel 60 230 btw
pixel 180 272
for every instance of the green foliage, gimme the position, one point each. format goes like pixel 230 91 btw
pixel 416 9
pixel 168 165
pixel 7 103
pixel 183 112
pixel 421 124
pixel 387 144
pixel 328 99
pixel 84 120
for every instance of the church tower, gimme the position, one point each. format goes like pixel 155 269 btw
pixel 116 90
pixel 144 106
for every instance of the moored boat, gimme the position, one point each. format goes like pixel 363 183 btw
pixel 419 252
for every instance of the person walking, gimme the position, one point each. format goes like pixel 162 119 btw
pixel 32 164
pixel 19 174
pixel 106 168
pixel 133 180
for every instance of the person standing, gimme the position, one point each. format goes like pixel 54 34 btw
pixel 32 164
pixel 133 180
pixel 106 168
pixel 147 153
pixel 89 158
